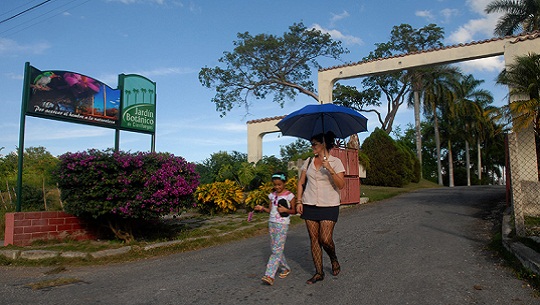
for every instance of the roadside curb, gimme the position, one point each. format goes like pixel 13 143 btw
pixel 47 254
pixel 527 256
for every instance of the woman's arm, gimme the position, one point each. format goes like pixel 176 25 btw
pixel 299 192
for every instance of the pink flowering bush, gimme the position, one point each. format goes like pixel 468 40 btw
pixel 119 186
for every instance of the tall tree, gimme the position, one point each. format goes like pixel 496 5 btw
pixel 470 103
pixel 519 16
pixel 436 93
pixel 523 78
pixel 395 86
pixel 267 64
pixel 490 130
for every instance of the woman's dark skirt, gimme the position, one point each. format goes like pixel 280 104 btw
pixel 312 212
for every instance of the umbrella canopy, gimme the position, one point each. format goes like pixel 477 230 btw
pixel 321 118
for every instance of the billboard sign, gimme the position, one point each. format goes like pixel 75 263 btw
pixel 138 103
pixel 74 97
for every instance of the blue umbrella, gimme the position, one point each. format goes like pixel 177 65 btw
pixel 321 118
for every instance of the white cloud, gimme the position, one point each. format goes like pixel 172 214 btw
pixel 9 46
pixel 337 35
pixel 157 72
pixel 337 17
pixel 478 6
pixel 476 29
pixel 425 14
pixel 14 76
pixel 448 13
pixel 168 71
pixel 492 64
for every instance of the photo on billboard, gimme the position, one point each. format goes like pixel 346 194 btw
pixel 74 97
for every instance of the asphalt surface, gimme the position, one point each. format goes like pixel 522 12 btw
pixel 424 247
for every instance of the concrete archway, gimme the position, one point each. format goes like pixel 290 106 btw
pixel 256 130
pixel 510 47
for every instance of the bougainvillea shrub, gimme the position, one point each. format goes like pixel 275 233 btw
pixel 125 185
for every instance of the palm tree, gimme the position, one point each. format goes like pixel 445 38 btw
pixel 485 128
pixel 523 78
pixel 519 15
pixel 436 94
pixel 470 104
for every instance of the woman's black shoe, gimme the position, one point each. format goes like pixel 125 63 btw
pixel 316 278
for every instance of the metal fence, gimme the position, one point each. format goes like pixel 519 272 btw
pixel 524 184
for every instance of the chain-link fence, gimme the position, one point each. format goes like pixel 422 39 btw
pixel 524 184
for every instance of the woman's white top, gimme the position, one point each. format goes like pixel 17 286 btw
pixel 320 188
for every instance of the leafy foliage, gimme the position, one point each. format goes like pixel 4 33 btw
pixel 233 166
pixel 260 195
pixel 299 149
pixel 523 78
pixel 267 64
pixel 391 164
pixel 219 197
pixel 393 85
pixel 37 180
pixel 520 15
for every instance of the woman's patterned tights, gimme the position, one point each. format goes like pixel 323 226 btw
pixel 320 234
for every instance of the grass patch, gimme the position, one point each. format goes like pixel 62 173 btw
pixel 53 283
pixel 377 193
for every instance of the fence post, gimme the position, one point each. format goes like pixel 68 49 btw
pixel 517 194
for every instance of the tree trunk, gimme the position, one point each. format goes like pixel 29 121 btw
pixel 468 162
pixel 44 193
pixel 418 129
pixel 479 160
pixel 9 194
pixel 438 147
pixel 60 196
pixel 450 165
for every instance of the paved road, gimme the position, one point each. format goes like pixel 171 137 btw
pixel 425 247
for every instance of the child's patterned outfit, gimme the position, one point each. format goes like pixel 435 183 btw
pixel 278 227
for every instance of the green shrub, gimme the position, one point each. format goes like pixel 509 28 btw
pixel 390 164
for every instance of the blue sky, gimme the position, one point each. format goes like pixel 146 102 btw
pixel 169 41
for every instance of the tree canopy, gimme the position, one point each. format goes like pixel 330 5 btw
pixel 520 15
pixel 522 78
pixel 392 87
pixel 267 64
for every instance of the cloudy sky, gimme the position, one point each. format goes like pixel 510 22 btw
pixel 169 41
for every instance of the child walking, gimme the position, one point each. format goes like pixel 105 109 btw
pixel 282 204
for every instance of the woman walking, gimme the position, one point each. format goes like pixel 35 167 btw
pixel 318 202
